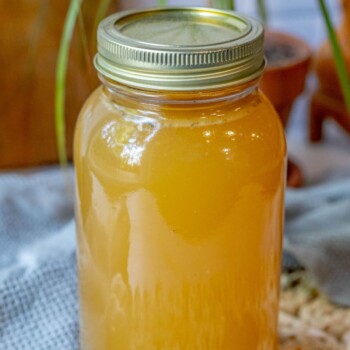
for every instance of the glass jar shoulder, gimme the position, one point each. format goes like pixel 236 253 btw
pixel 246 132
pixel 92 113
pixel 262 128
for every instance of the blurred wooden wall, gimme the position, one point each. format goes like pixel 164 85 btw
pixel 29 40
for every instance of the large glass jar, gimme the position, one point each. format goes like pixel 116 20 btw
pixel 180 172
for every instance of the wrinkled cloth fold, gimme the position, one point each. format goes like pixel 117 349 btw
pixel 38 284
pixel 38 293
pixel 317 234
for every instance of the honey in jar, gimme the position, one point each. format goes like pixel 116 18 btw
pixel 180 175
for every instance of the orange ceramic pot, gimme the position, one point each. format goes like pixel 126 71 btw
pixel 284 80
pixel 327 101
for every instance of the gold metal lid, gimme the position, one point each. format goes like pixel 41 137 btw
pixel 180 49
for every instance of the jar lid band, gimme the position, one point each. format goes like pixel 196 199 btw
pixel 180 48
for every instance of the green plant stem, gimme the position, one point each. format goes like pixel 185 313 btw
pixel 61 73
pixel 262 11
pixel 338 56
pixel 100 14
pixel 84 41
pixel 224 4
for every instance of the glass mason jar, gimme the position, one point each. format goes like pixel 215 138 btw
pixel 180 172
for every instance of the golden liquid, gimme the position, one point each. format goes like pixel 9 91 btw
pixel 180 215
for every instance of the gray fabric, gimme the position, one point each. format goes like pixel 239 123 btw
pixel 317 233
pixel 38 299
pixel 38 303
